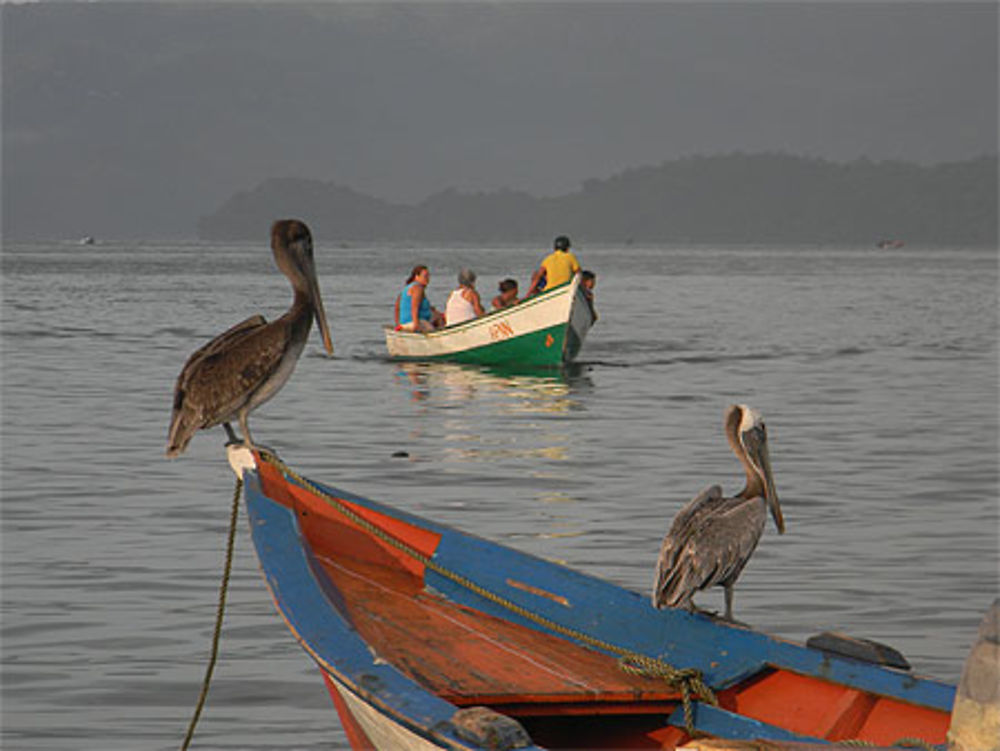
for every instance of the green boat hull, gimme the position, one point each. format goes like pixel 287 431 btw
pixel 539 349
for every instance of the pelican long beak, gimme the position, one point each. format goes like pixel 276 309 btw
pixel 755 444
pixel 770 491
pixel 324 328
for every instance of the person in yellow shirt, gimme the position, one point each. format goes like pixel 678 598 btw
pixel 558 267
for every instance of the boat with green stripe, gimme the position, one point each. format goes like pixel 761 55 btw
pixel 546 330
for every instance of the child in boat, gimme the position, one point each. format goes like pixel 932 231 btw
pixel 413 310
pixel 463 303
pixel 507 296
pixel 588 279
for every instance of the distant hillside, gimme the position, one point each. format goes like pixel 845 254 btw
pixel 728 199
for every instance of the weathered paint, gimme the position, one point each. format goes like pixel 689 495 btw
pixel 544 331
pixel 411 645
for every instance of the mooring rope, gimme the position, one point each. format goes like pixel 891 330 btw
pixel 220 612
pixel 688 681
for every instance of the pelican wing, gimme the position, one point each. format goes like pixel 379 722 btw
pixel 726 544
pixel 688 520
pixel 220 343
pixel 219 378
pixel 227 378
pixel 710 542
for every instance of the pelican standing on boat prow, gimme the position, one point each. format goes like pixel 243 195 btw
pixel 244 367
pixel 712 538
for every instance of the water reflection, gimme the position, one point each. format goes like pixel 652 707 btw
pixel 505 433
pixel 514 390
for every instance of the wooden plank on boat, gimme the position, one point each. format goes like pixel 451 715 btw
pixel 468 658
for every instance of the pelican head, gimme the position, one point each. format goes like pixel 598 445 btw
pixel 291 243
pixel 748 436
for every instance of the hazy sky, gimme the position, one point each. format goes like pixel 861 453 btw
pixel 134 119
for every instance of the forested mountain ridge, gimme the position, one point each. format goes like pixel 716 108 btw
pixel 772 198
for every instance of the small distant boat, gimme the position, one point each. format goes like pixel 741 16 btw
pixel 546 330
pixel 890 244
pixel 429 638
pixel 88 240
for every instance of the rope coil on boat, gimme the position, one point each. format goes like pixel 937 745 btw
pixel 688 681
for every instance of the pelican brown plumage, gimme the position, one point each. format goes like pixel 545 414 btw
pixel 712 537
pixel 245 366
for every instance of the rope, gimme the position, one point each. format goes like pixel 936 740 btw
pixel 688 681
pixel 220 612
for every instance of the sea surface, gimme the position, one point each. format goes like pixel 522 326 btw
pixel 876 371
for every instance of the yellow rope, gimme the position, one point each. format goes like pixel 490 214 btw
pixel 220 612
pixel 688 681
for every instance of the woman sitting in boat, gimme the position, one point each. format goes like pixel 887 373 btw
pixel 413 311
pixel 463 303
pixel 507 296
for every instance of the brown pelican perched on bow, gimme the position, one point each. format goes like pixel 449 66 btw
pixel 712 537
pixel 244 367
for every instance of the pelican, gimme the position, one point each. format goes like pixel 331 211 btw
pixel 712 537
pixel 245 366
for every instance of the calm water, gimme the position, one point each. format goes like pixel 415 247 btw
pixel 876 370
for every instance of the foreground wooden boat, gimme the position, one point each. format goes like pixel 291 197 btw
pixel 430 638
pixel 546 330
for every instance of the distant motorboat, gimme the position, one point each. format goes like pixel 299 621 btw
pixel 883 244
pixel 88 240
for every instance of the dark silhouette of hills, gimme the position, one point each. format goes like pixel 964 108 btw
pixel 763 198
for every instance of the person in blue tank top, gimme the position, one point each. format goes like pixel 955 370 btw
pixel 413 310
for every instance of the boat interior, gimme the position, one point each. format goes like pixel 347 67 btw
pixel 566 695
